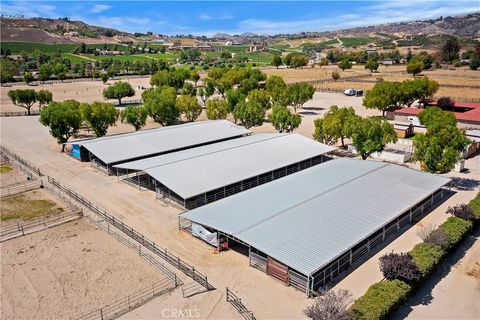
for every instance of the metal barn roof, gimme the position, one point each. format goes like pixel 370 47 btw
pixel 132 145
pixel 307 219
pixel 195 171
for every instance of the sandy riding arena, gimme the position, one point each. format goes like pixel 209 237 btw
pixel 68 271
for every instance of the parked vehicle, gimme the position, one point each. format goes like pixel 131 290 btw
pixel 353 92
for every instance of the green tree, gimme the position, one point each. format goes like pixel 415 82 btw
pixel 134 116
pixel 44 72
pixel 104 77
pixel 370 135
pixel 225 55
pixel 99 116
pixel 426 88
pixel 8 69
pixel 28 77
pixel 335 75
pixel 336 124
pixel 475 58
pixel 278 90
pixel 170 78
pixel 44 97
pixel 194 76
pixel 345 64
pixel 233 97
pixel 440 148
pixel 118 91
pixel 277 61
pixel 23 98
pixel 299 93
pixel 371 65
pixel 161 104
pixel 217 109
pixel 261 96
pixel 250 113
pixel 450 50
pixel 383 96
pixel 189 106
pixel 299 61
pixel 415 66
pixel 63 119
pixel 283 120
pixel 188 89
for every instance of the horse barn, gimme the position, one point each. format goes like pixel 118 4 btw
pixel 308 227
pixel 107 151
pixel 195 177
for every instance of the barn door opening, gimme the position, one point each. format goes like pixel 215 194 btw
pixel 277 270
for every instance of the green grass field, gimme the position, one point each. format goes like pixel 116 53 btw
pixel 354 42
pixel 74 58
pixel 17 47
pixel 19 207
pixel 131 58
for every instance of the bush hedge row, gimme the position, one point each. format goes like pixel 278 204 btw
pixel 426 256
pixel 383 298
pixel 380 300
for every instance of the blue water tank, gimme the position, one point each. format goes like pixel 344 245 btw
pixel 76 151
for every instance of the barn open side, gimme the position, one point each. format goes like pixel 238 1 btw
pixel 104 152
pixel 308 227
pixel 195 177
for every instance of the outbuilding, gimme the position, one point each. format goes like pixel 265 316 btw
pixel 307 228
pixel 194 177
pixel 110 150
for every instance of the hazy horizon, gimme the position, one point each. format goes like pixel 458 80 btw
pixel 260 17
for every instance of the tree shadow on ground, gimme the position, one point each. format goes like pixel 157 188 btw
pixel 313 108
pixel 465 184
pixel 308 113
pixel 424 294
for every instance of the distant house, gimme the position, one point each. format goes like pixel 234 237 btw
pixel 204 46
pixel 108 52
pixel 256 48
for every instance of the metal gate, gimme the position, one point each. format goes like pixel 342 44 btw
pixel 277 270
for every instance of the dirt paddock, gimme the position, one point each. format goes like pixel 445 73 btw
pixel 68 271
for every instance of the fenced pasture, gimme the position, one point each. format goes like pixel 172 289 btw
pixel 75 269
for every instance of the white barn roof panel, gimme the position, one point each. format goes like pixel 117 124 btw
pixel 123 147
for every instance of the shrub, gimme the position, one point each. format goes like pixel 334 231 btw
pixel 426 257
pixel 455 228
pixel 437 237
pixel 399 266
pixel 462 211
pixel 475 205
pixel 380 300
pixel 329 305
pixel 433 236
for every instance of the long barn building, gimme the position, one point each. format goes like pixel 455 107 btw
pixel 308 227
pixel 195 177
pixel 105 152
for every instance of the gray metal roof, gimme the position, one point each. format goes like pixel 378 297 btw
pixel 309 218
pixel 163 159
pixel 192 172
pixel 122 147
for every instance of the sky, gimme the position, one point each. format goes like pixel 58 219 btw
pixel 236 17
